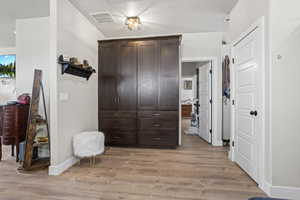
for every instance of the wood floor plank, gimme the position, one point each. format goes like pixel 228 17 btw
pixel 194 171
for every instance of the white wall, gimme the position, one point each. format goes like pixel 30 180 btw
pixel 7 89
pixel 285 27
pixel 286 113
pixel 76 37
pixel 207 46
pixel 284 19
pixel 188 69
pixel 32 52
pixel 244 14
pixel 32 48
pixel 195 45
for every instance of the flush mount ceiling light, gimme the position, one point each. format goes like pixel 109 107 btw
pixel 133 23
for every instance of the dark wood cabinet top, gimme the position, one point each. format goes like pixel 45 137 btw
pixel 176 38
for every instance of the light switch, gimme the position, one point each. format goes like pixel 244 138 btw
pixel 63 96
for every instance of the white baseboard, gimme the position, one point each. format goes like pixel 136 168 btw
pixel 230 157
pixel 285 192
pixel 55 170
pixel 266 187
pixel 292 193
pixel 218 143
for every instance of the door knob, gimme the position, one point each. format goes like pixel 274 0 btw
pixel 253 112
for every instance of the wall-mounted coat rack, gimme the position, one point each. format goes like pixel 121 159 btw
pixel 75 69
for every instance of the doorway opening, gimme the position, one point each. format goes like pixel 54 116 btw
pixel 196 99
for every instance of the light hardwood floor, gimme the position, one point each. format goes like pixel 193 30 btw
pixel 193 171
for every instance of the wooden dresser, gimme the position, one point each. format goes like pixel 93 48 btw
pixel 13 124
pixel 186 110
pixel 139 91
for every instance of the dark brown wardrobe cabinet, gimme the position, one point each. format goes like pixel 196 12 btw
pixel 139 91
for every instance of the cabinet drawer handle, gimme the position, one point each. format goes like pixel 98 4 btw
pixel 155 114
pixel 156 125
pixel 116 137
pixel 156 138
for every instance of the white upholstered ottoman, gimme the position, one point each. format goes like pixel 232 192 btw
pixel 88 145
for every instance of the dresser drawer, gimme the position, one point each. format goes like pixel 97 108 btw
pixel 156 124
pixel 186 110
pixel 163 115
pixel 158 138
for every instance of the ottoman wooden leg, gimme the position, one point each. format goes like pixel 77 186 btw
pixel 17 151
pixel 13 150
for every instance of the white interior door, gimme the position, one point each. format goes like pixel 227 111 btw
pixel 248 102
pixel 204 101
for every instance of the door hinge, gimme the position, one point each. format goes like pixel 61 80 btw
pixel 210 131
pixel 210 71
pixel 210 101
pixel 233 102
pixel 232 143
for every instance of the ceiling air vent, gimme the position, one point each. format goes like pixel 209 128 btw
pixel 103 17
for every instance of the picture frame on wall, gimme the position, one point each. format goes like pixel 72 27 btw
pixel 8 66
pixel 188 85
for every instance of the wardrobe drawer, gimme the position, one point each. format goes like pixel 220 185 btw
pixel 119 114
pixel 119 137
pixel 157 138
pixel 163 115
pixel 127 114
pixel 127 124
pixel 108 114
pixel 153 124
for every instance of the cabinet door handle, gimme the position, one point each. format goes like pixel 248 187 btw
pixel 156 138
pixel 156 125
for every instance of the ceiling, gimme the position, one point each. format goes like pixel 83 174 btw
pixel 159 16
pixel 10 10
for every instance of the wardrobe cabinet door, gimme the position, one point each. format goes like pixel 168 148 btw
pixel 169 75
pixel 148 75
pixel 108 66
pixel 127 76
